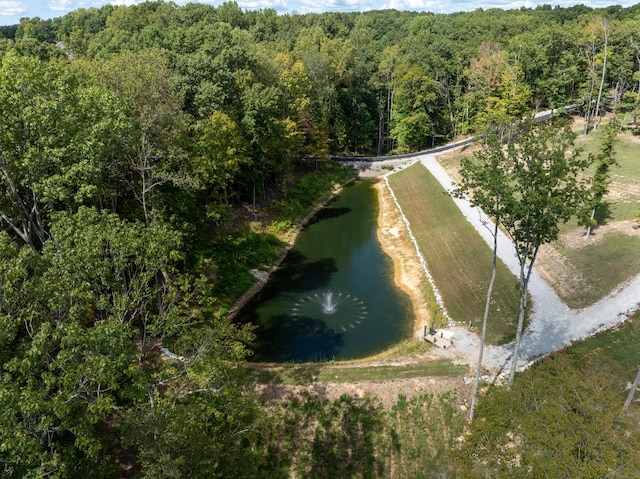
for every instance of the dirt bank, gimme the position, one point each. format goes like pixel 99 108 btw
pixel 385 391
pixel 409 277
pixel 395 241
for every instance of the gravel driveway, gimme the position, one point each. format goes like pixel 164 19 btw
pixel 553 325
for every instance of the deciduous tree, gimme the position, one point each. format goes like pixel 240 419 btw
pixel 538 179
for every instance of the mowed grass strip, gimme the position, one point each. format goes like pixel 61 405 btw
pixel 457 257
pixel 604 265
pixel 324 373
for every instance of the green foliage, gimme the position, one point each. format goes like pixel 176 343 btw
pixel 601 179
pixel 129 146
pixel 197 419
pixel 310 189
pixel 414 106
pixel 60 136
pixel 354 438
pixel 561 417
pixel 279 228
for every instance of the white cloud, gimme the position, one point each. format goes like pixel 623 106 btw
pixel 123 3
pixel 12 9
pixel 277 5
pixel 61 5
pixel 311 6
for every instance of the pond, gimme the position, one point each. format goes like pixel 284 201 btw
pixel 333 297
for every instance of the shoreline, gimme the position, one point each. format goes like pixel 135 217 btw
pixel 395 242
pixel 290 242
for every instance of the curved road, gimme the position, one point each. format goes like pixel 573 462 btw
pixel 553 325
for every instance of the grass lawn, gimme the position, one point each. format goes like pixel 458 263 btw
pixel 457 257
pixel 348 373
pixel 625 177
pixel 603 265
pixel 614 259
pixel 621 345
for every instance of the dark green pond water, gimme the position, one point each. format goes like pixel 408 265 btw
pixel 333 297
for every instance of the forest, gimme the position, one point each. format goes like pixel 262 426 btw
pixel 151 155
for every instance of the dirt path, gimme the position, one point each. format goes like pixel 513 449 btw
pixel 395 241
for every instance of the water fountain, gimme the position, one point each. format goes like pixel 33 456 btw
pixel 333 297
pixel 328 306
pixel 339 311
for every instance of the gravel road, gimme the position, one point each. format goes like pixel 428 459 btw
pixel 553 325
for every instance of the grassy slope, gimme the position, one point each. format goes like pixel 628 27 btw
pixel 349 373
pixel 621 345
pixel 457 257
pixel 617 251
pixel 603 265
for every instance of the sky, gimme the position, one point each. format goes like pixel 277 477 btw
pixel 12 10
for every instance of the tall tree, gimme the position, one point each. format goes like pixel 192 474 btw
pixel 601 179
pixel 145 81
pixel 604 25
pixel 482 181
pixel 58 137
pixel 538 176
pixel 218 151
pixel 73 311
pixel 414 106
pixel 389 60
pixel 595 33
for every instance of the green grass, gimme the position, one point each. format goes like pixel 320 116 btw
pixel 617 252
pixel 458 258
pixel 626 153
pixel 625 176
pixel 620 345
pixel 349 373
pixel 604 264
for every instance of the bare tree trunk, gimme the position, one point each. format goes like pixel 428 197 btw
pixel 524 289
pixel 452 118
pixel 605 32
pixel 593 214
pixel 380 130
pixel 592 72
pixel 476 384
pixel 255 216
pixel 632 392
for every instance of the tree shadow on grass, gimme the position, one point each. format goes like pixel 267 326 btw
pixel 343 444
pixel 332 439
pixel 302 374
pixel 603 213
